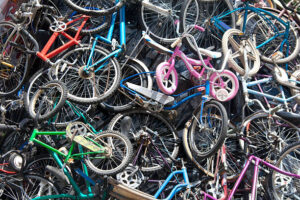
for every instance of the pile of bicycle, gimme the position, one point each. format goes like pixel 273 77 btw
pixel 150 99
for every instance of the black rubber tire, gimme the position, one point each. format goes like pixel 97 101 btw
pixel 92 31
pixel 271 191
pixel 222 115
pixel 108 105
pixel 209 28
pixel 26 65
pixel 82 10
pixel 125 161
pixel 58 106
pixel 155 117
pixel 268 146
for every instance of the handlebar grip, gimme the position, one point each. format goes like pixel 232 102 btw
pixel 199 28
pixel 4 127
pixel 177 41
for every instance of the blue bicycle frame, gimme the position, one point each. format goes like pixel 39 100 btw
pixel 176 104
pixel 109 40
pixel 178 187
pixel 261 12
pixel 282 99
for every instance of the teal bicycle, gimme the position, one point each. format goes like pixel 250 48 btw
pixel 269 32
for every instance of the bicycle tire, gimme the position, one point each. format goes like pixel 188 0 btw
pixel 50 112
pixel 211 37
pixel 285 181
pixel 270 138
pixel 162 28
pixel 100 8
pixel 29 187
pixel 155 122
pixel 258 24
pixel 83 89
pixel 125 161
pixel 92 25
pixel 16 57
pixel 120 102
pixel 166 86
pixel 219 115
pixel 218 80
pixel 235 62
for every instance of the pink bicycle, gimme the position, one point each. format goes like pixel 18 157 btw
pixel 223 83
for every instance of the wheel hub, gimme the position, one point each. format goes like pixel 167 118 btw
pixel 85 74
pixel 222 94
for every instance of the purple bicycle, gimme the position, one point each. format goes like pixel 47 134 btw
pixel 284 179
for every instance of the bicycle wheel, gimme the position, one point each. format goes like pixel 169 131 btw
pixel 233 39
pixel 282 186
pixel 93 24
pixel 201 12
pixel 261 31
pixel 119 102
pixel 163 136
pixel 48 100
pixel 167 86
pixel 94 85
pixel 160 25
pixel 268 135
pixel 208 129
pixel 223 86
pixel 94 7
pixel 13 62
pixel 119 153
pixel 28 187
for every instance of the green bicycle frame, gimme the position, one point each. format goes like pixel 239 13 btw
pixel 55 154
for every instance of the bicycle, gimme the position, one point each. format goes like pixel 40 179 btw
pixel 281 34
pixel 277 173
pixel 109 65
pixel 120 190
pixel 223 83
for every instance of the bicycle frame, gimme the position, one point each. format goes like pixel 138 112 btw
pixel 45 55
pixel 68 156
pixel 257 162
pixel 109 40
pixel 282 99
pixel 55 154
pixel 178 187
pixel 176 104
pixel 79 114
pixel 224 27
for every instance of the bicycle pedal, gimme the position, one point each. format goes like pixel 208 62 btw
pixel 87 144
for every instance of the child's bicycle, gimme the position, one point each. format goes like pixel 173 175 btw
pixel 223 83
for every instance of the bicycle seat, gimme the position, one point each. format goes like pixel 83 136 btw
pixel 155 45
pixel 291 117
pixel 212 54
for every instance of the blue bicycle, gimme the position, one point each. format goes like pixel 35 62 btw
pixel 269 32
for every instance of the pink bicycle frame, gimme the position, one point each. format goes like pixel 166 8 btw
pixel 188 63
pixel 255 176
